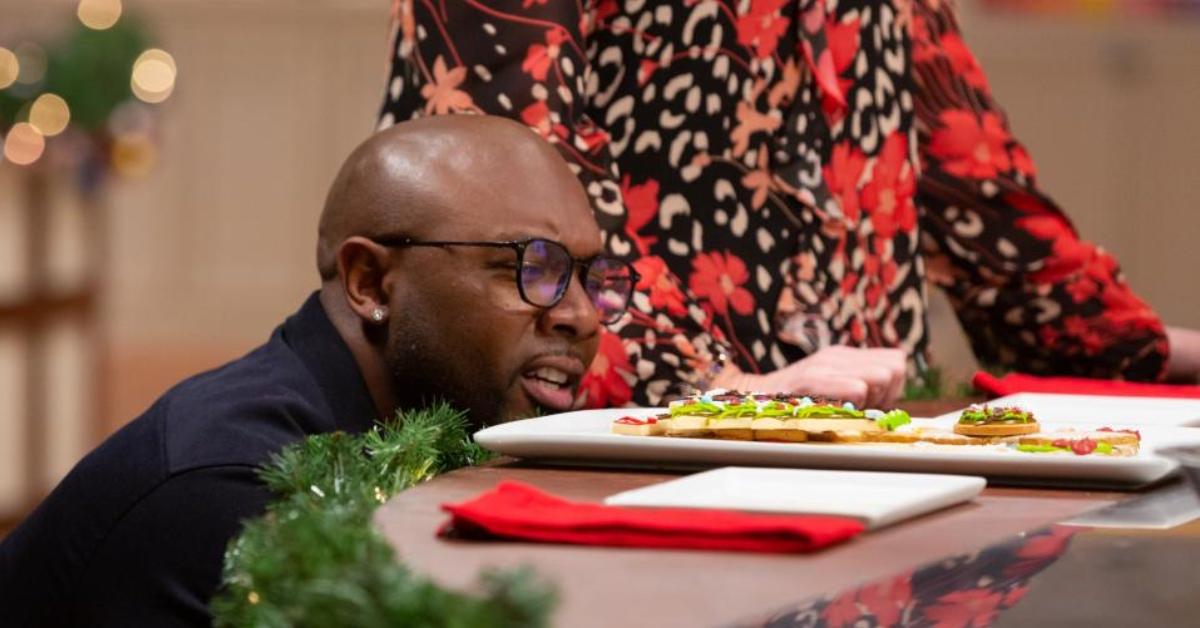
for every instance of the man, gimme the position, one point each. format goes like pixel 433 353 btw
pixel 787 176
pixel 450 254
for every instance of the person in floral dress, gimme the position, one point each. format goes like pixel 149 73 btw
pixel 787 177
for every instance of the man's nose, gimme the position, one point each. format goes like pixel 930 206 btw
pixel 575 316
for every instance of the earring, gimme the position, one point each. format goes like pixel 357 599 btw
pixel 377 315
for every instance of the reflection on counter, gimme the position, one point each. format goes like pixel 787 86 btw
pixel 968 589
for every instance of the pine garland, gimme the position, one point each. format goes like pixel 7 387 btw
pixel 314 559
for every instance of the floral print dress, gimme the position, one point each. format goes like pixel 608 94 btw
pixel 785 175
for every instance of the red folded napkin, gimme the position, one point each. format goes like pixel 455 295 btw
pixel 1017 383
pixel 514 510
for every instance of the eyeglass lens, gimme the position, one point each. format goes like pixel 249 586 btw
pixel 546 268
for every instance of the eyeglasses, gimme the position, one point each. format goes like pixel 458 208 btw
pixel 544 269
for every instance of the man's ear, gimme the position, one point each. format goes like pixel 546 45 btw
pixel 362 266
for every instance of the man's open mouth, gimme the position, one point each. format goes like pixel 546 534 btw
pixel 550 381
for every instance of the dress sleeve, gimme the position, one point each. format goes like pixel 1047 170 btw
pixel 528 61
pixel 1031 295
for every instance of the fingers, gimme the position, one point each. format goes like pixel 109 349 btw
pixel 886 386
pixel 868 378
pixel 880 371
pixel 836 386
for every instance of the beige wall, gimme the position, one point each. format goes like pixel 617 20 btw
pixel 212 250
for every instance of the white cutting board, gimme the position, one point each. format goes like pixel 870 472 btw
pixel 878 499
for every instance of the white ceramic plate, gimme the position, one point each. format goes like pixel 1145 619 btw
pixel 1101 410
pixel 583 437
pixel 878 499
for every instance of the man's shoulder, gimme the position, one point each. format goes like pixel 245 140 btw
pixel 241 412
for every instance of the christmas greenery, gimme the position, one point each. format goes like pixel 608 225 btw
pixel 88 68
pixel 314 558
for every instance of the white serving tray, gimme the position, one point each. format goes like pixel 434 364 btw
pixel 1134 412
pixel 878 499
pixel 584 437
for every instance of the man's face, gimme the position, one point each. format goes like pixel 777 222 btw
pixel 460 330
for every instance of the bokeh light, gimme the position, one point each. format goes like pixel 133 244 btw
pixel 24 144
pixel 10 68
pixel 50 114
pixel 99 14
pixel 153 77
pixel 32 61
pixel 133 155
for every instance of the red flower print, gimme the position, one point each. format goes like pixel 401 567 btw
pixel 806 265
pixel 539 58
pixel 590 136
pixel 537 116
pixel 606 9
pixel 641 203
pixel 1048 334
pixel 664 292
pixel 442 95
pixel 402 11
pixel 1085 334
pixel 1069 255
pixel 888 197
pixel 718 277
pixel 1041 550
pixel 606 382
pixel 646 70
pixel 923 50
pixel 842 611
pixel 759 179
pixel 1124 311
pixel 849 283
pixel 761 27
pixel 1026 202
pixel 1014 595
pixel 1081 290
pixel 749 122
pixel 843 40
pixel 784 91
pixel 964 63
pixel 887 600
pixel 959 609
pixel 971 146
pixel 1022 163
pixel 842 173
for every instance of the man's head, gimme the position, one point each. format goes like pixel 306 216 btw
pixel 449 321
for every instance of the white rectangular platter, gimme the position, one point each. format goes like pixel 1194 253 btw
pixel 1104 410
pixel 878 499
pixel 584 437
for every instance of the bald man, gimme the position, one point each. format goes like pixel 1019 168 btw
pixel 459 260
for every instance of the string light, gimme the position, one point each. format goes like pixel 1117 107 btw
pixel 153 77
pixel 99 14
pixel 50 114
pixel 10 67
pixel 24 144
pixel 31 60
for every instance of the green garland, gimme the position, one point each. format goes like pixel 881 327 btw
pixel 315 560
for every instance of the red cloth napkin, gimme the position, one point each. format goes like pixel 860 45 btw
pixel 1018 383
pixel 514 510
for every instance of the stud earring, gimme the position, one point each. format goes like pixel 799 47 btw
pixel 377 315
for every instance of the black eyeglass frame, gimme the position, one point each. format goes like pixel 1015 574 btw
pixel 520 246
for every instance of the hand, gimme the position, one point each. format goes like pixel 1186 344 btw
pixel 1184 363
pixel 868 378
